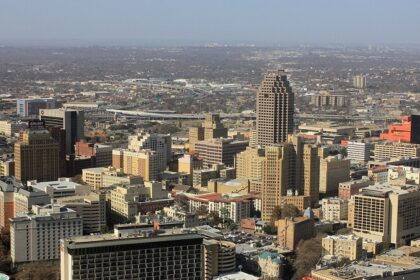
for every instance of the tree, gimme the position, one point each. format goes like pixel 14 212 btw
pixel 182 201
pixel 308 254
pixel 214 219
pixel 344 231
pixel 225 215
pixel 38 271
pixel 290 211
pixel 202 211
pixel 276 213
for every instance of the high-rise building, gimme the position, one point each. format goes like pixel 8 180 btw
pixel 310 168
pixel 291 231
pixel 359 81
pixel 276 177
pixel 334 209
pixel 275 109
pixel 8 186
pixel 36 236
pixel 30 107
pixel 326 99
pixel 159 255
pixel 37 156
pixel 358 151
pixel 187 164
pixel 71 121
pixel 219 150
pixel 249 165
pixel 211 128
pixel 333 171
pixel 144 163
pixel 159 143
pixel 7 165
pixel 387 213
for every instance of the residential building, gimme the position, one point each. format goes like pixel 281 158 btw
pixel 37 156
pixel 90 207
pixel 220 150
pixel 388 150
pixel 10 128
pixel 72 121
pixel 359 81
pixel 333 171
pixel 345 246
pixel 166 254
pixel 275 109
pixel 102 154
pixel 36 236
pixel 30 107
pixel 334 209
pixel 328 99
pixel 26 197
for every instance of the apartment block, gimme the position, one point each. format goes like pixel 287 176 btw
pixel 388 150
pixel 358 151
pixel 220 257
pixel 345 246
pixel 334 209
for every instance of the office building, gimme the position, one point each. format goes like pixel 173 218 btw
pixel 221 150
pixel 291 231
pixel 102 154
pixel 61 187
pixel 187 164
pixel 334 209
pixel 102 177
pixel 310 167
pixel 349 188
pixel 36 236
pixel 358 151
pixel 220 257
pixel 71 121
pixel 345 246
pixel 387 213
pixel 162 255
pixel 378 174
pixel 406 131
pixel 144 163
pixel 90 207
pixel 249 165
pixel 161 144
pixel 37 156
pixel 276 177
pixel 7 165
pixel 30 107
pixel 359 81
pixel 388 150
pixel 333 171
pixel 211 128
pixel 275 109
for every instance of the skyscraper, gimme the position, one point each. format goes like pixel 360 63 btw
pixel 71 121
pixel 37 156
pixel 311 172
pixel 275 109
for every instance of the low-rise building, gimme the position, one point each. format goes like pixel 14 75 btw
pixel 271 265
pixel 334 209
pixel 60 188
pixel 102 177
pixel 291 231
pixel 345 246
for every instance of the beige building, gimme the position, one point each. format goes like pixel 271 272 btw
pixel 220 257
pixel 10 128
pixel 220 150
pixel 388 150
pixel 144 163
pixel 211 128
pixel 291 231
pixel 333 171
pixel 249 165
pixel 36 237
pixel 310 168
pixel 25 198
pixel 271 265
pixel 302 202
pixel 37 156
pixel 187 164
pixel 275 109
pixel 387 213
pixel 334 209
pixel 102 177
pixel 359 81
pixel 7 167
pixel 345 246
pixel 276 177
pixel 92 209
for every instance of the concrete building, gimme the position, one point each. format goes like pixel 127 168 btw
pixel 8 186
pixel 275 109
pixel 187 164
pixel 349 188
pixel 249 165
pixel 91 208
pixel 161 144
pixel 333 170
pixel 220 150
pixel 220 257
pixel 359 81
pixel 358 151
pixel 60 188
pixel 211 128
pixel 388 150
pixel 291 231
pixel 160 255
pixel 345 246
pixel 387 213
pixel 271 265
pixel 25 198
pixel 10 128
pixel 102 154
pixel 37 156
pixel 36 237
pixel 144 163
pixel 334 209
pixel 30 107
pixel 102 177
pixel 71 121
pixel 328 99
pixel 311 170
pixel 7 166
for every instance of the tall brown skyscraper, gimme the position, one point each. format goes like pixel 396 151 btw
pixel 37 156
pixel 310 168
pixel 275 109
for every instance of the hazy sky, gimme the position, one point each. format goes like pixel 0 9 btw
pixel 154 22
